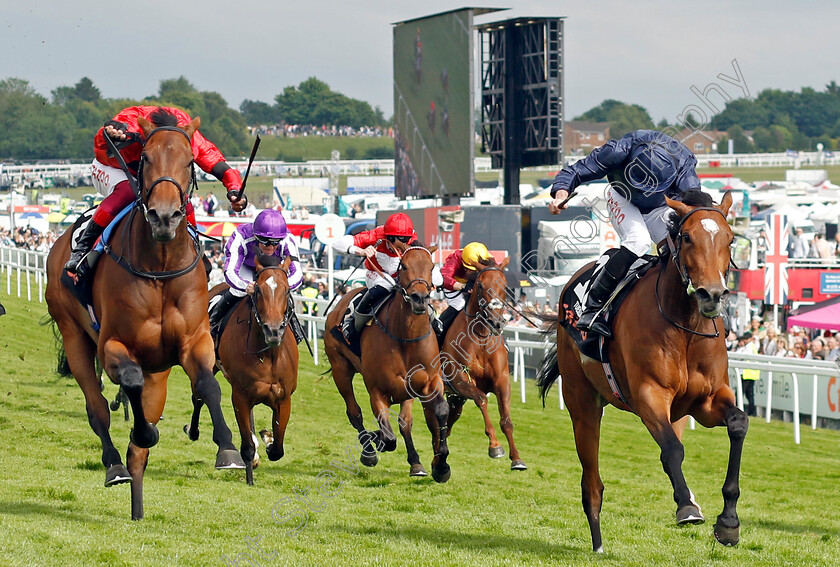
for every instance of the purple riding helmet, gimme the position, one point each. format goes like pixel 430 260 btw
pixel 270 224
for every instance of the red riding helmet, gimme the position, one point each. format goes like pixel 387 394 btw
pixel 399 224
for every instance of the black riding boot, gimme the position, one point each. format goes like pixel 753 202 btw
pixel 220 309
pixel 600 290
pixel 83 246
pixel 352 326
pixel 446 319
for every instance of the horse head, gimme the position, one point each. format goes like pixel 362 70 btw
pixel 490 290
pixel 270 300
pixel 414 277
pixel 702 239
pixel 166 171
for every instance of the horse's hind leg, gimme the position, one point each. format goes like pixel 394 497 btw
pixel 191 429
pixel 586 409
pixel 80 351
pixel 386 439
pixel 654 411
pixel 406 423
pixel 154 398
pixel 281 411
pixel 130 377
pixel 437 416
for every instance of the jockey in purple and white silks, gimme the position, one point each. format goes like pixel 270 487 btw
pixel 267 235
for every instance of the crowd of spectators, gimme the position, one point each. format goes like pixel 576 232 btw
pixel 295 130
pixel 818 247
pixel 28 238
pixel 763 338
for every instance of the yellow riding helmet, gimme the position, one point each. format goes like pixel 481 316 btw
pixel 472 253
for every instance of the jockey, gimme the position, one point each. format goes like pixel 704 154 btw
pixel 382 262
pixel 455 272
pixel 266 235
pixel 112 183
pixel 643 167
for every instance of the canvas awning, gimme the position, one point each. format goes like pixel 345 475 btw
pixel 823 315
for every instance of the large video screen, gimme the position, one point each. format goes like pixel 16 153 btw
pixel 434 130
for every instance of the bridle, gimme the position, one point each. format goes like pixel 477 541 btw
pixel 676 257
pixel 192 185
pixel 485 305
pixel 141 200
pixel 256 313
pixel 403 290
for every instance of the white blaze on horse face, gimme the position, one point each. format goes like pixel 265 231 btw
pixel 271 283
pixel 711 227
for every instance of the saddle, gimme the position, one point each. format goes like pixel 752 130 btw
pixel 356 345
pixel 573 300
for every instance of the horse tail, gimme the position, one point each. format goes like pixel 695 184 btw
pixel 549 372
pixel 62 366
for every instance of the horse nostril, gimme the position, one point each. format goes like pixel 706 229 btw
pixel 152 216
pixel 703 295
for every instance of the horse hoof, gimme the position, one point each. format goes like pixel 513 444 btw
pixel 441 474
pixel 690 515
pixel 496 452
pixel 418 470
pixel 369 460
pixel 117 474
pixel 114 405
pixel 726 536
pixel 274 453
pixel 193 435
pixel 148 441
pixel 267 436
pixel 229 459
pixel 518 465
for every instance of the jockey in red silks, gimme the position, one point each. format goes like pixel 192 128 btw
pixel 267 235
pixel 110 180
pixel 382 263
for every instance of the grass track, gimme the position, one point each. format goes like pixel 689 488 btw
pixel 55 511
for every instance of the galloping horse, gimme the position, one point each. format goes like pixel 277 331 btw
pixel 259 358
pixel 398 360
pixel 475 354
pixel 151 304
pixel 670 360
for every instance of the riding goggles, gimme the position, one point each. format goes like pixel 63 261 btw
pixel 403 239
pixel 268 241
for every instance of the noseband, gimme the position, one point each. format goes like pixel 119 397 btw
pixel 404 289
pixel 484 305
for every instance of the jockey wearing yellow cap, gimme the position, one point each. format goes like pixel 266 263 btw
pixel 456 271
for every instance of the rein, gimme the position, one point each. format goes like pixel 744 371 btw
pixel 256 314
pixel 404 292
pixel 684 277
pixel 482 310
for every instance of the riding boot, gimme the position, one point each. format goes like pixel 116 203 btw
pixel 352 326
pixel 600 290
pixel 83 246
pixel 294 323
pixel 220 309
pixel 437 324
pixel 446 319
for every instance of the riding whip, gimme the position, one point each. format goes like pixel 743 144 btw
pixel 248 170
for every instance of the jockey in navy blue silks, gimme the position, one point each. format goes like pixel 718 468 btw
pixel 643 167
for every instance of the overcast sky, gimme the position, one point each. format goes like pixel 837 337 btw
pixel 644 52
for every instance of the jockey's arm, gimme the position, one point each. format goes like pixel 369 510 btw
pixel 595 166
pixel 295 272
pixel 235 251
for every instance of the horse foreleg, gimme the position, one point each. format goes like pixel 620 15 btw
pixel 406 423
pixel 117 363
pixel 280 420
pixel 243 411
pixel 199 367
pixel 456 406
pixel 386 439
pixel 191 429
pixel 437 416
pixel 137 458
pixel 502 391
pixel 654 411
pixel 466 388
pixel 727 526
pixel 80 352
pixel 586 410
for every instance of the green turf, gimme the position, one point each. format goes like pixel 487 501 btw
pixel 54 509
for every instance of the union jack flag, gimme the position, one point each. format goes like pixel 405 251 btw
pixel 776 261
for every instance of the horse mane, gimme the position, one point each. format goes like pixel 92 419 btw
pixel 267 260
pixel 692 198
pixel 163 117
pixel 485 263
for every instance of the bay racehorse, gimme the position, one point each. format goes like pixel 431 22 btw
pixel 151 305
pixel 258 355
pixel 669 359
pixel 474 358
pixel 398 363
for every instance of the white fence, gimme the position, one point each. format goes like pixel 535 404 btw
pixel 783 385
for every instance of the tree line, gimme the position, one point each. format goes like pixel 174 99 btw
pixel 62 127
pixel 774 121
